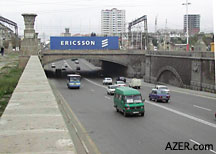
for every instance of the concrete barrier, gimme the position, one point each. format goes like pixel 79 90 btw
pixel 32 122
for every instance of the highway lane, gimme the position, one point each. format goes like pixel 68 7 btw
pixel 115 134
pixel 84 65
pixel 159 125
pixel 198 104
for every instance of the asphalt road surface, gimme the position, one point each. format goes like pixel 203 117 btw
pixel 188 118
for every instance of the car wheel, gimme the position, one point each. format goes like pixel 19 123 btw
pixel 150 98
pixel 117 110
pixel 167 101
pixel 142 114
pixel 156 100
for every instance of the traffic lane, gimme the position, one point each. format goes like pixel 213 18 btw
pixel 189 104
pixel 114 133
pixel 201 107
pixel 202 125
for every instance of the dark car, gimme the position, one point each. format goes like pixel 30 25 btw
pixel 120 78
pixel 159 95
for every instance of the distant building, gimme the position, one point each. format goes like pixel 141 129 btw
pixel 193 24
pixel 112 22
pixel 67 32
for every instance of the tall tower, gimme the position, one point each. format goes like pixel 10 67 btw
pixel 193 23
pixel 112 22
pixel 156 24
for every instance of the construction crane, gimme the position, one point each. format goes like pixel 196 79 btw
pixel 141 19
pixel 9 22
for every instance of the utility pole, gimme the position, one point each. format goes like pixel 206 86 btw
pixel 187 35
pixel 214 6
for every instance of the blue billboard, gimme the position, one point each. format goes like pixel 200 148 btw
pixel 84 43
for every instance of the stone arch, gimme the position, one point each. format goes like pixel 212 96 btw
pixel 173 71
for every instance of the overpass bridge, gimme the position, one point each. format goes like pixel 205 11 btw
pixel 193 70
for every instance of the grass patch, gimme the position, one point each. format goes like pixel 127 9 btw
pixel 9 78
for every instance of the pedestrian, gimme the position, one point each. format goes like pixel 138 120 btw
pixel 2 51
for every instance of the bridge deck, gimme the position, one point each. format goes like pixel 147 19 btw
pixel 32 122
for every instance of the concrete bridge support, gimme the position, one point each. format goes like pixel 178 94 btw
pixel 29 45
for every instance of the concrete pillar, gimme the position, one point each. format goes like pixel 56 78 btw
pixel 196 74
pixel 147 77
pixel 29 45
pixel 29 20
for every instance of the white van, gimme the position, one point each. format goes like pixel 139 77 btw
pixel 135 83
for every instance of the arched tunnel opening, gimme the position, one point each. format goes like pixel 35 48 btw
pixel 170 78
pixel 113 69
pixel 87 68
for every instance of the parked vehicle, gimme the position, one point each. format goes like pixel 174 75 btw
pixel 129 101
pixel 135 83
pixel 159 95
pixel 121 78
pixel 159 87
pixel 111 89
pixel 73 81
pixel 107 81
pixel 120 83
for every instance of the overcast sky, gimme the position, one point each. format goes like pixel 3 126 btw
pixel 83 16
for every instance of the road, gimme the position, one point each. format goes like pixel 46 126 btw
pixel 188 117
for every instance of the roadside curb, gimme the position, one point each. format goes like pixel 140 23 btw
pixel 82 141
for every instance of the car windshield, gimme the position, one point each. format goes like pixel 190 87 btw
pixel 120 82
pixel 163 92
pixel 112 87
pixel 133 99
pixel 163 88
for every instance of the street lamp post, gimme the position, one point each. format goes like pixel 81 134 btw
pixel 187 35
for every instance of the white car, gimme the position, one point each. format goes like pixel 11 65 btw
pixel 76 61
pixel 53 65
pixel 162 87
pixel 120 83
pixel 111 89
pixel 107 81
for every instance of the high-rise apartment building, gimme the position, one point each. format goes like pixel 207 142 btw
pixel 193 23
pixel 112 22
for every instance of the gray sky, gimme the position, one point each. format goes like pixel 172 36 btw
pixel 83 16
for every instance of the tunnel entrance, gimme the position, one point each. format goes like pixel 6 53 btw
pixel 113 69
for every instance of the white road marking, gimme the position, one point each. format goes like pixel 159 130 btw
pixel 92 90
pixel 171 110
pixel 183 114
pixel 202 108
pixel 200 144
pixel 107 97
pixel 194 142
pixel 95 83
pixel 67 64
